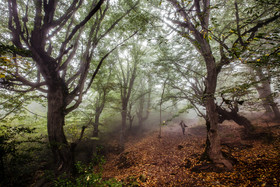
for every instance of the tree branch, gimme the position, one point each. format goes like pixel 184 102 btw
pixel 255 29
pixel 74 93
pixel 80 25
pixel 13 17
pixel 237 23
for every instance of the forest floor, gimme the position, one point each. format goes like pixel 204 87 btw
pixel 168 161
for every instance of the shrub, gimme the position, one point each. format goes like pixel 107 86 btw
pixel 86 177
pixel 18 147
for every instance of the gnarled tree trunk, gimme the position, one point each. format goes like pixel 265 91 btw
pixel 233 115
pixel 265 94
pixel 63 157
pixel 214 149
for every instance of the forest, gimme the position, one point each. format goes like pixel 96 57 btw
pixel 139 93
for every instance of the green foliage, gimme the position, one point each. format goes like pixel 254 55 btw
pixel 173 56
pixel 11 49
pixel 98 158
pixel 181 111
pixel 238 90
pixel 6 61
pixel 19 152
pixel 132 181
pixel 86 177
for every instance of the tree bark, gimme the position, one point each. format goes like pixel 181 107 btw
pixel 131 122
pixel 233 115
pixel 130 116
pixel 96 125
pixel 63 157
pixel 142 113
pixel 98 111
pixel 214 149
pixel 275 110
pixel 213 139
pixel 160 105
pixel 265 94
pixel 123 127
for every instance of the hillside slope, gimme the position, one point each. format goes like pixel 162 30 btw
pixel 167 161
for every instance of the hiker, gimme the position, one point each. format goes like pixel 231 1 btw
pixel 183 126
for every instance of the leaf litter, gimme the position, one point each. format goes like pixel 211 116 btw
pixel 168 161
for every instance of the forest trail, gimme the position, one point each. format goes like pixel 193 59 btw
pixel 167 161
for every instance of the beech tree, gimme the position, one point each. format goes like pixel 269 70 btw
pixel 128 66
pixel 61 38
pixel 144 103
pixel 192 20
pixel 265 92
pixel 102 96
pixel 263 64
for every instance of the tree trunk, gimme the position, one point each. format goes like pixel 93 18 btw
pixel 233 115
pixel 140 111
pixel 99 106
pixel 143 112
pixel 160 105
pixel 98 111
pixel 131 118
pixel 213 138
pixel 123 127
pixel 275 110
pixel 96 125
pixel 265 94
pixel 63 157
pixel 205 155
pixel 213 148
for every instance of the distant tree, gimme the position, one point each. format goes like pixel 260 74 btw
pixel 130 113
pixel 263 62
pixel 103 89
pixel 161 122
pixel 140 101
pixel 128 66
pixel 144 100
pixel 265 92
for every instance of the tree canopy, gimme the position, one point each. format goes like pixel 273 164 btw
pixel 84 67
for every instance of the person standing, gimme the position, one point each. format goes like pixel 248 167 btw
pixel 183 126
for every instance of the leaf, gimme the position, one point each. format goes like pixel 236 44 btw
pixel 94 138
